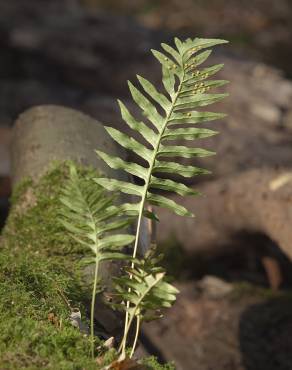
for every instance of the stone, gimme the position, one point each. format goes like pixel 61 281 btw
pixel 246 329
pixel 214 288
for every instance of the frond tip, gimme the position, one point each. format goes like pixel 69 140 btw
pixel 173 115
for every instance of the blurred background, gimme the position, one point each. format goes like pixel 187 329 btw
pixel 234 311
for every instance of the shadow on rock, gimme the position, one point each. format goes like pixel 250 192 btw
pixel 265 330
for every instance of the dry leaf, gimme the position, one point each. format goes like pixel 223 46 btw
pixel 53 319
pixel 109 343
pixel 126 364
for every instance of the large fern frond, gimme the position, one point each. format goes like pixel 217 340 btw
pixel 169 117
pixel 187 89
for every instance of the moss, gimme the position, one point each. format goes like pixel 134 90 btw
pixel 39 263
pixel 152 363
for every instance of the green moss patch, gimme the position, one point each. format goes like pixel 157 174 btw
pixel 39 272
pixel 39 265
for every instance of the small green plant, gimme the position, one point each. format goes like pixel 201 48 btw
pixel 174 115
pixel 87 214
pixel 145 288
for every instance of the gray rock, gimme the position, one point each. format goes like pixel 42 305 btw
pixel 214 288
pixel 51 133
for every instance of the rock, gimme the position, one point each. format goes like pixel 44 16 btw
pixel 254 202
pixel 214 288
pixel 245 330
pixel 50 133
pixel 270 114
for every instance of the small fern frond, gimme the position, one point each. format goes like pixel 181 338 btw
pixel 187 90
pixel 89 216
pixel 146 291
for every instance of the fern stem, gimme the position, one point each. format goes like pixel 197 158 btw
pixel 143 200
pixel 136 336
pixel 132 316
pixel 127 324
pixel 124 340
pixel 92 309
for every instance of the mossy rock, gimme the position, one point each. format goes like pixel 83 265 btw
pixel 39 272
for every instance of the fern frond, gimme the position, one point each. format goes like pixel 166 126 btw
pixel 187 90
pixel 146 290
pixel 175 114
pixel 89 216
pixel 83 215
